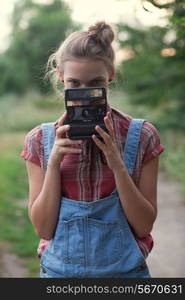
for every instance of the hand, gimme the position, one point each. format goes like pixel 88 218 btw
pixel 62 144
pixel 108 145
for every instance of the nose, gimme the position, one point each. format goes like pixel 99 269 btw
pixel 83 85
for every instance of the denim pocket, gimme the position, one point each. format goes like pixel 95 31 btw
pixel 48 273
pixel 88 241
pixel 61 239
pixel 104 240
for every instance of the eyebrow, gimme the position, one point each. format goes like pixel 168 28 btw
pixel 96 78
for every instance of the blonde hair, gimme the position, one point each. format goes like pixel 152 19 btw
pixel 95 43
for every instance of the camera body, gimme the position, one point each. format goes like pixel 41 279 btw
pixel 86 108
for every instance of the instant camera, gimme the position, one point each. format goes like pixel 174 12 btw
pixel 86 108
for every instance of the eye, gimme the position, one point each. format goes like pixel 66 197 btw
pixel 73 82
pixel 97 82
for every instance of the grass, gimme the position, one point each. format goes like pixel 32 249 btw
pixel 173 158
pixel 22 114
pixel 17 117
pixel 16 227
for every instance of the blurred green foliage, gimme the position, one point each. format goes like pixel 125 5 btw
pixel 154 75
pixel 37 30
pixel 151 87
pixel 16 227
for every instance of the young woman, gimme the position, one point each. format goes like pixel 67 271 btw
pixel 93 202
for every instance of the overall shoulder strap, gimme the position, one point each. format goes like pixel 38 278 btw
pixel 132 143
pixel 48 131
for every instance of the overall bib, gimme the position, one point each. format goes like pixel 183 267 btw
pixel 94 239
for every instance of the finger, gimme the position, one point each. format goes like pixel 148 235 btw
pixel 98 142
pixel 61 130
pixel 110 117
pixel 103 134
pixel 67 150
pixel 66 142
pixel 61 120
pixel 109 127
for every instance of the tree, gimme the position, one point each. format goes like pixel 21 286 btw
pixel 37 30
pixel 155 73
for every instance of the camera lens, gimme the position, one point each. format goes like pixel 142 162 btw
pixel 86 113
pixel 100 111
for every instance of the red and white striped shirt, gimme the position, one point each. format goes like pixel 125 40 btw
pixel 86 176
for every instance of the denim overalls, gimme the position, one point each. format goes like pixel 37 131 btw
pixel 93 239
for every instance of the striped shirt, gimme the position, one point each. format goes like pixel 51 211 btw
pixel 86 176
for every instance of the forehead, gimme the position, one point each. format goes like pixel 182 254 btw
pixel 78 68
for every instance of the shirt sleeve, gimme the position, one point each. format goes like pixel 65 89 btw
pixel 33 148
pixel 151 145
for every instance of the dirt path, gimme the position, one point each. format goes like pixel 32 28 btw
pixel 167 258
pixel 11 266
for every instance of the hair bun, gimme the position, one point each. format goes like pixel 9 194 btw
pixel 101 33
